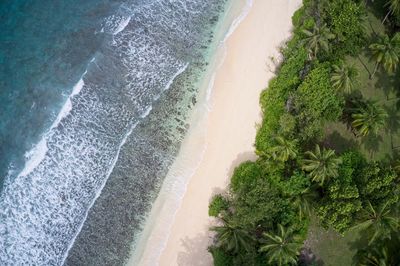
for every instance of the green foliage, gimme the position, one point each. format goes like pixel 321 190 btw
pixel 298 16
pixel 321 164
pixel 276 191
pixel 288 125
pixel 298 189
pixel 260 203
pixel 344 78
pixel 377 184
pixel 345 18
pixel 394 7
pixel 341 201
pixel 284 149
pixel 220 257
pixel 378 222
pixel 283 247
pixel 245 175
pixel 232 238
pixel 273 99
pixel 217 205
pixel 316 102
pixel 295 185
pixel 382 253
pixel 386 52
pixel 369 118
pixel 317 40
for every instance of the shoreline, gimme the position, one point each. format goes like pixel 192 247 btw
pixel 174 186
pixel 221 137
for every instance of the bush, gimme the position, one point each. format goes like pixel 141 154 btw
pixel 259 204
pixel 217 205
pixel 274 98
pixel 298 17
pixel 345 19
pixel 377 183
pixel 220 257
pixel 244 175
pixel 342 201
pixel 316 102
pixel 287 125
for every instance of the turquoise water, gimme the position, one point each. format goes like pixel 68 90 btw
pixel 94 97
pixel 45 47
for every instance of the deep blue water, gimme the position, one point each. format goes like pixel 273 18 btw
pixel 94 97
pixel 45 46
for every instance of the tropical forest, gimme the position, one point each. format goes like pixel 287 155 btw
pixel 325 187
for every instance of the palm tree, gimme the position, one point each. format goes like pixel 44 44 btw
pixel 232 238
pixel 394 8
pixel 375 257
pixel 369 118
pixel 322 164
pixel 284 149
pixel 318 38
pixel 378 223
pixel 282 248
pixel 344 78
pixel 386 52
pixel 303 202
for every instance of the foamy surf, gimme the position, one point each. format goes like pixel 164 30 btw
pixel 46 206
pixel 37 154
pixel 154 238
pixel 239 19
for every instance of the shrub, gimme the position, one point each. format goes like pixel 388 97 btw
pixel 244 175
pixel 273 99
pixel 342 201
pixel 298 17
pixel 316 103
pixel 259 204
pixel 287 125
pixel 345 19
pixel 377 183
pixel 217 205
pixel 220 257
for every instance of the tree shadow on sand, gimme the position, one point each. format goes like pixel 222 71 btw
pixel 195 253
pixel 241 158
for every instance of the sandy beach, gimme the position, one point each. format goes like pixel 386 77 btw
pixel 229 131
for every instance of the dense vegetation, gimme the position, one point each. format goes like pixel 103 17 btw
pixel 326 147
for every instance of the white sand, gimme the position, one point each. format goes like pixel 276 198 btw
pixel 228 131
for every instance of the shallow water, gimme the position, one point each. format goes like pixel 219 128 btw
pixel 94 101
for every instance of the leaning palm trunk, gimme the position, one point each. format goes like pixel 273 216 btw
pixel 374 72
pixel 386 17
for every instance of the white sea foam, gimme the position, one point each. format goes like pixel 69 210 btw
pixel 146 112
pixel 158 226
pixel 67 107
pixel 180 71
pixel 122 25
pixel 45 206
pixel 98 192
pixel 173 190
pixel 36 155
pixel 114 161
pixel 210 90
pixel 238 20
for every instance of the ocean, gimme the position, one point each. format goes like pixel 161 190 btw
pixel 95 97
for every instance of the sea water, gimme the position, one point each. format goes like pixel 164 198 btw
pixel 94 100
